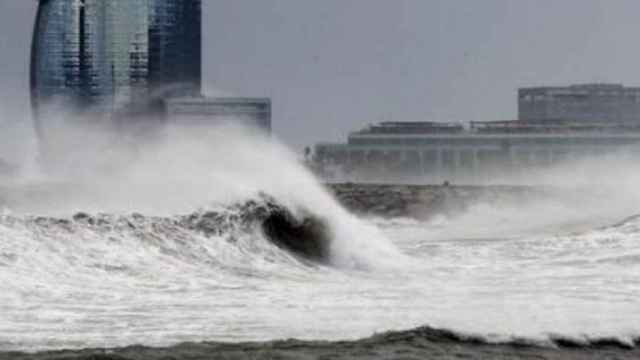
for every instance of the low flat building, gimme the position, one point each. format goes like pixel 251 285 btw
pixel 251 112
pixel 484 151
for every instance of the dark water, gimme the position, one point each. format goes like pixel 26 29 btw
pixel 419 343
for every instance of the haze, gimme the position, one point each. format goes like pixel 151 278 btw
pixel 333 66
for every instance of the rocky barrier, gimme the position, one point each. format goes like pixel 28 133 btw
pixel 383 200
pixel 424 201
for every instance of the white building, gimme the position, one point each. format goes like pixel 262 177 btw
pixel 486 151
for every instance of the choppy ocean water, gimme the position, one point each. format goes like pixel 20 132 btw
pixel 166 255
pixel 117 280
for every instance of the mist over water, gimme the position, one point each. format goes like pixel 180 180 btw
pixel 135 270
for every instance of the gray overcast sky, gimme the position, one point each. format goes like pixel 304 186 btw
pixel 332 66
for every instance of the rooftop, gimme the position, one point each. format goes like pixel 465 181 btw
pixel 216 100
pixel 515 127
pixel 423 127
pixel 588 87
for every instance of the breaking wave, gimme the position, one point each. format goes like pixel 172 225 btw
pixel 120 268
pixel 276 257
pixel 109 280
pixel 307 236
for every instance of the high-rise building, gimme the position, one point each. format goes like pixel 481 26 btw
pixel 131 66
pixel 175 49
pixel 108 56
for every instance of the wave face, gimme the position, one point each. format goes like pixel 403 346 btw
pixel 231 272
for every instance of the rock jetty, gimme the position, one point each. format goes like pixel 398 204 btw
pixel 424 201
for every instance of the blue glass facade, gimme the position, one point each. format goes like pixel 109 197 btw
pixel 104 56
pixel 174 46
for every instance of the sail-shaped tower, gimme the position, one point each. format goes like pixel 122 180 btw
pixel 104 57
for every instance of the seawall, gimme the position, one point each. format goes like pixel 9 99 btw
pixel 424 201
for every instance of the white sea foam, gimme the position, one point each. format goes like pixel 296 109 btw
pixel 526 269
pixel 157 283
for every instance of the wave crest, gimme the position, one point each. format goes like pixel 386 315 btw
pixel 301 233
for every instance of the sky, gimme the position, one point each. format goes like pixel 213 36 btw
pixel 334 66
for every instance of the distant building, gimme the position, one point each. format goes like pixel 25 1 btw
pixel 595 103
pixel 556 125
pixel 125 63
pixel 485 151
pixel 253 112
pixel 101 56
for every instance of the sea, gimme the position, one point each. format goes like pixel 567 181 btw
pixel 172 253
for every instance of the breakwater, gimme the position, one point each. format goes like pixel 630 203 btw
pixel 425 201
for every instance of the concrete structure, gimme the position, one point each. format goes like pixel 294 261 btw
pixel 252 112
pixel 485 151
pixel 595 103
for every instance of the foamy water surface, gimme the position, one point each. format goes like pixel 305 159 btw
pixel 499 272
pixel 74 285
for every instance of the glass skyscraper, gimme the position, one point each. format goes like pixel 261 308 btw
pixel 107 56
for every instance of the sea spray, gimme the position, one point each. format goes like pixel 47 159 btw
pixel 193 167
pixel 128 270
